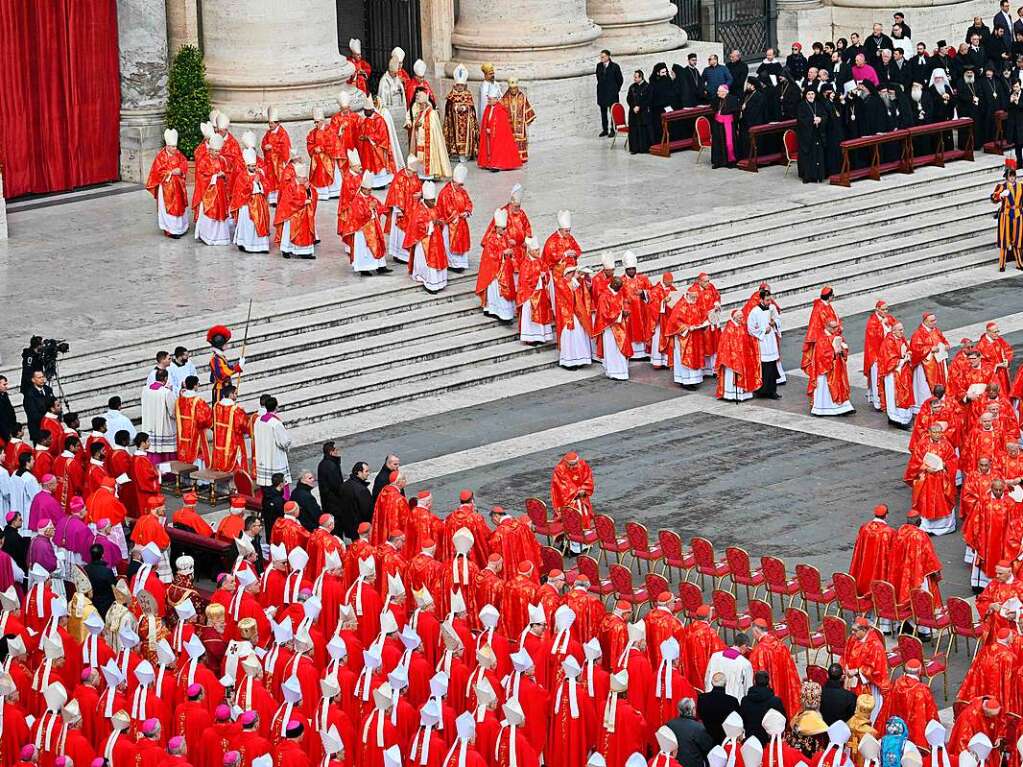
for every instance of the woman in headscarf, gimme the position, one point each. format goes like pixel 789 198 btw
pixel 723 128
pixel 662 96
pixel 638 99
pixel 896 733
pixel 808 731
pixel 811 127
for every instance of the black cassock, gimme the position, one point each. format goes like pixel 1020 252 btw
pixel 639 122
pixel 1014 125
pixel 719 139
pixel 834 134
pixel 812 139
pixel 662 94
pixel 968 104
pixel 866 118
pixel 922 113
pixel 788 98
pixel 753 112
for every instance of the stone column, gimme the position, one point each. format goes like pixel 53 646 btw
pixel 142 36
pixel 802 21
pixel 263 52
pixel 182 25
pixel 437 21
pixel 631 27
pixel 528 39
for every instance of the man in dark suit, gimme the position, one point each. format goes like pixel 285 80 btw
pixel 758 701
pixel 609 86
pixel 837 703
pixel 7 416
pixel 1003 19
pixel 102 579
pixel 689 82
pixel 920 66
pixel 36 402
pixel 714 707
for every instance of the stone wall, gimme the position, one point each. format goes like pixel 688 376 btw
pixel 3 210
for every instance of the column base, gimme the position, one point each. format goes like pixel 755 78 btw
pixel 141 139
pixel 3 210
pixel 803 21
pixel 246 100
pixel 637 39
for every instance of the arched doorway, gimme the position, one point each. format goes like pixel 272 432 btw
pixel 381 25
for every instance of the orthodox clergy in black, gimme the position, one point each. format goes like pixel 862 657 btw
pixel 753 111
pixel 834 128
pixel 662 97
pixel 638 100
pixel 811 130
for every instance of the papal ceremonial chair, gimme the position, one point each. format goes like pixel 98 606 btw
pixel 621 124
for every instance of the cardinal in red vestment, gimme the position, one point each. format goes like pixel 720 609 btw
pixel 914 562
pixel 981 715
pixel 879 325
pixel 997 352
pixel 572 484
pixel 498 150
pixel 295 217
pixel 872 551
pixel 995 673
pixel 770 654
pixel 912 700
pixel 166 182
pixel 276 146
pixel 821 313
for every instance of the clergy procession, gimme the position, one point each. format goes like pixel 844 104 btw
pixel 259 193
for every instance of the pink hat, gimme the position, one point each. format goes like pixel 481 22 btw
pixel 175 743
pixel 47 478
pixel 149 726
pixel 86 673
pixel 99 761
pixel 29 751
pixel 10 515
pixel 248 718
pixel 193 690
pixel 60 761
pixel 231 758
pixel 77 504
pixel 222 713
pixel 102 523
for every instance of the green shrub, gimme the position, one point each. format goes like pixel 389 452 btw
pixel 188 103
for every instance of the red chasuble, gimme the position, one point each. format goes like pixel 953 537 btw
pixel 915 562
pixel 161 176
pixel 871 554
pixel 828 362
pixel 297 204
pixel 455 207
pixel 244 194
pixel 498 150
pixel 820 315
pixel 892 358
pixel 319 144
pixel 374 145
pixel 276 152
pixel 424 226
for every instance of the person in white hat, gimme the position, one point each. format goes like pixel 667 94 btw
pixel 684 334
pixel 378 146
pixel 391 96
pixel 250 206
pixel 533 297
pixel 561 249
pixel 362 233
pixel 573 316
pixel 276 145
pixel 166 182
pixel 426 135
pixel 401 199
pixel 418 81
pixel 424 240
pixel 320 144
pixel 455 207
pixel 461 120
pixel 295 217
pixel 622 729
pixel 213 223
pixel 495 282
pixel 636 289
pixel 614 347
pixel 363 69
pixel 498 150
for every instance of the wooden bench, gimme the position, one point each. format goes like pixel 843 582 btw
pixel 940 131
pixel 212 555
pixel 667 146
pixel 998 144
pixel 875 167
pixel 215 478
pixel 756 160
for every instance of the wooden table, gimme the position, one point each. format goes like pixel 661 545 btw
pixel 667 146
pixel 941 154
pixel 873 145
pixel 215 478
pixel 212 555
pixel 756 160
pixel 181 471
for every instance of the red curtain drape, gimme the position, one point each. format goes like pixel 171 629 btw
pixel 60 94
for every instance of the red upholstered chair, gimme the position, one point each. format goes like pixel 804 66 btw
pixel 743 573
pixel 656 585
pixel 588 566
pixel 813 590
pixel 836 634
pixel 962 624
pixel 551 559
pixel 727 611
pixel 543 526
pixel 621 579
pixel 574 531
pixel 701 136
pixel 791 143
pixel 886 606
pixel 911 648
pixel 800 634
pixel 758 609
pixel 246 489
pixel 621 124
pixel 707 563
pixel 691 597
pixel 817 674
pixel 675 555
pixel 777 581
pixel 608 539
pixel 927 615
pixel 848 600
pixel 639 543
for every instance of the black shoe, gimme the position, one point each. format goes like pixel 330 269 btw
pixel 849 412
pixel 602 134
pixel 242 249
pixel 286 255
pixel 611 134
pixel 316 241
pixel 384 270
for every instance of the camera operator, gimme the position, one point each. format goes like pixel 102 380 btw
pixel 36 402
pixel 31 361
